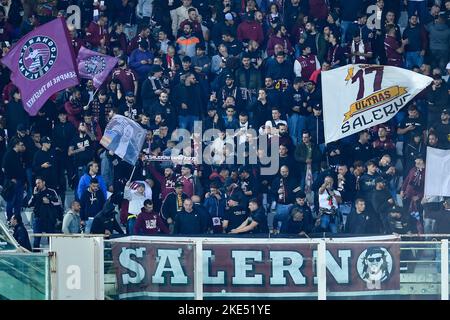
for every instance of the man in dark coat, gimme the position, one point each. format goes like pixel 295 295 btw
pixel 14 170
pixel 173 204
pixel 359 220
pixel 189 220
pixel 105 221
pixel 20 232
pixel 47 210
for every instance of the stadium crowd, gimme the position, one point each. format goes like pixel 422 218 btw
pixel 241 65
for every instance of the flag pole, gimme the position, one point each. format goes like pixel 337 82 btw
pixel 132 172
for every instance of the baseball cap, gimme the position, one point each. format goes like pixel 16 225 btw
pixel 46 140
pixel 212 106
pixel 129 94
pixel 139 184
pixel 445 111
pixel 235 197
pixel 249 16
pixel 317 107
pixel 22 127
pixel 395 209
pixel 229 76
pixel 229 16
pixel 156 68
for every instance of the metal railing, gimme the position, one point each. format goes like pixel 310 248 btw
pixel 25 276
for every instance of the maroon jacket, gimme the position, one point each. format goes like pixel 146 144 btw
pixel 308 64
pixel 318 9
pixel 167 185
pixel 95 33
pixel 126 77
pixel 383 145
pixel 148 223
pixel 6 30
pixel 134 43
pixel 414 183
pixel 274 40
pixel 73 113
pixel 250 30
pixel 393 57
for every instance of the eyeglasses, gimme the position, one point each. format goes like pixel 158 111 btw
pixel 378 259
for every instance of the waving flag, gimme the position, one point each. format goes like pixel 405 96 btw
pixel 124 137
pixel 42 63
pixel 357 97
pixel 437 173
pixel 94 65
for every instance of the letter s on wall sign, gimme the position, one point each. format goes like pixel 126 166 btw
pixel 135 267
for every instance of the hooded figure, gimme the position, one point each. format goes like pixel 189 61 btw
pixel 105 221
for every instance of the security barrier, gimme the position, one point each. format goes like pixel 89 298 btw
pixel 385 267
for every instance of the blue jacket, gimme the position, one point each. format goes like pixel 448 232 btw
pixel 135 62
pixel 215 208
pixel 85 180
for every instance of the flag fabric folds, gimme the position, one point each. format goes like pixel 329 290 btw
pixel 357 97
pixel 42 63
pixel 437 172
pixel 94 65
pixel 124 137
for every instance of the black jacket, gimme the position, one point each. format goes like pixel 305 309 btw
pixel 13 165
pixel 189 223
pixel 169 206
pixel 63 134
pixel 15 114
pixel 91 203
pixel 192 97
pixel 47 213
pixel 347 188
pixel 148 95
pixel 49 174
pixel 367 186
pixel 21 236
pixel 358 223
pixel 290 184
pixel 381 207
pixel 290 226
pixel 106 220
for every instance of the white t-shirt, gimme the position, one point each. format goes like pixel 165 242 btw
pixel 323 200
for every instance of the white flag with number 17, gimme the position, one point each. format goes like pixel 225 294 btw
pixel 357 97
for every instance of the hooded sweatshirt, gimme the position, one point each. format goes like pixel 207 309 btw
pixel 148 223
pixel 106 220
pixel 439 36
